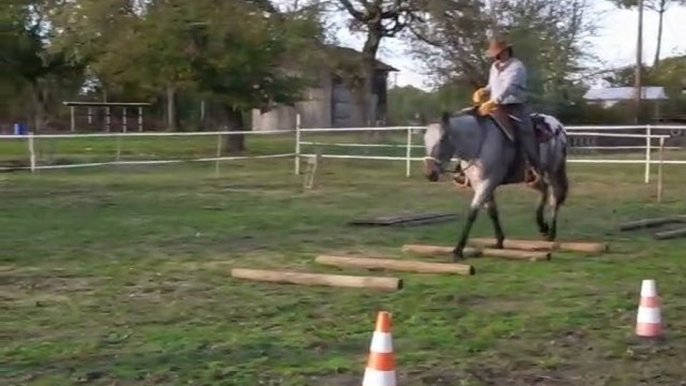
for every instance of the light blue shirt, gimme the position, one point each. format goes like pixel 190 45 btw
pixel 507 85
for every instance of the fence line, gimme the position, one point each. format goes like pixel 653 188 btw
pixel 149 134
pixel 298 154
pixel 582 131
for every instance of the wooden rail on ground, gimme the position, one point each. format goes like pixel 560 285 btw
pixel 673 234
pixel 540 245
pixel 371 282
pixel 510 254
pixel 397 265
pixel 651 223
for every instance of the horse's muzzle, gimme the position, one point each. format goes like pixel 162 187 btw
pixel 431 170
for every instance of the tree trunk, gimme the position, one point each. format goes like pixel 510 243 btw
pixel 233 121
pixel 638 87
pixel 371 47
pixel 660 26
pixel 365 98
pixel 171 108
pixel 39 107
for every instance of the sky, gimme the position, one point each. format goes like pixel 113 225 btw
pixel 614 43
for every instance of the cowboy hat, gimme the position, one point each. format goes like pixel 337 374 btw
pixel 495 47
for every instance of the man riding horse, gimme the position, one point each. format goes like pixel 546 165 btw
pixel 505 95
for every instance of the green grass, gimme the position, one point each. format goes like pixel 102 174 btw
pixel 120 276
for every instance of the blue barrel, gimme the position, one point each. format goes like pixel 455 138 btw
pixel 20 128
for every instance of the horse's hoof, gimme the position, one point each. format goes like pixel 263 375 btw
pixel 544 229
pixel 500 245
pixel 457 256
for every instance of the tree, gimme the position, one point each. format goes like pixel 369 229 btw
pixel 27 65
pixel 411 106
pixel 233 53
pixel 378 19
pixel 548 37
pixel 244 60
pixel 109 35
pixel 671 74
pixel 659 6
pixel 452 41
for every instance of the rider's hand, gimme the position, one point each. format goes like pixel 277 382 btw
pixel 479 96
pixel 488 107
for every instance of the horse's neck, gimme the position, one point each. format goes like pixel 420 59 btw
pixel 467 136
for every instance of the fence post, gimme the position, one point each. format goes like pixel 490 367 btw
pixel 219 154
pixel 73 118
pixel 32 153
pixel 649 143
pixel 408 153
pixel 659 170
pixel 297 144
pixel 118 148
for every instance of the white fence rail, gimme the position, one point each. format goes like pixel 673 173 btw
pixel 652 142
pixel 31 140
pixel 582 131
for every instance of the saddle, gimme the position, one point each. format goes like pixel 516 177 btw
pixel 520 171
pixel 505 122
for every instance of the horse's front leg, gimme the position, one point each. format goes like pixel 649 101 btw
pixel 458 252
pixel 482 192
pixel 495 219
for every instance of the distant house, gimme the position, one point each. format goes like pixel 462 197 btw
pixel 330 103
pixel 610 96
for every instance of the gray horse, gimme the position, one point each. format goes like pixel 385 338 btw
pixel 488 158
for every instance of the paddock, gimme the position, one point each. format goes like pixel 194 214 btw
pixel 123 272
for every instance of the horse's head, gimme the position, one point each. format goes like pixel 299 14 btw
pixel 439 150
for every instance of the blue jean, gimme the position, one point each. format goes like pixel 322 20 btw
pixel 525 132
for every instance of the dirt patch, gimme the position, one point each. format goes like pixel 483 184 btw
pixel 199 241
pixel 48 284
pixel 493 376
pixel 335 379
pixel 434 377
pixel 40 290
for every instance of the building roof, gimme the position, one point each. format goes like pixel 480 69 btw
pixel 625 93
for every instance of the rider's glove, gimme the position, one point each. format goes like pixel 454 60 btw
pixel 487 107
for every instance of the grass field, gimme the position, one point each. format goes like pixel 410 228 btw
pixel 120 276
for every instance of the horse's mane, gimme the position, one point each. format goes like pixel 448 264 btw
pixel 446 115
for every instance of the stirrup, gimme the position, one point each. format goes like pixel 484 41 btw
pixel 529 174
pixel 461 181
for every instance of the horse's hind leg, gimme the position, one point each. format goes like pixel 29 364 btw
pixel 558 196
pixel 543 227
pixel 495 219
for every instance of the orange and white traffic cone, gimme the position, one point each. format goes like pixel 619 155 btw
pixel 380 369
pixel 649 319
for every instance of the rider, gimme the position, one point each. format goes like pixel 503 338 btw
pixel 505 89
